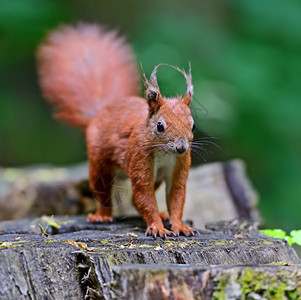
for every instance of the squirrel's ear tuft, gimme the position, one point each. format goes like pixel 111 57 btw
pixel 189 91
pixel 154 100
pixel 188 78
pixel 152 91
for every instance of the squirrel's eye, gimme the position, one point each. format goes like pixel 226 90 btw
pixel 193 127
pixel 160 127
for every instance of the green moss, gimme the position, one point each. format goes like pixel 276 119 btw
pixel 293 295
pixel 269 287
pixel 256 247
pixel 110 259
pixel 251 281
pixel 116 258
pixel 8 244
pixel 105 242
pixel 219 293
pixel 277 291
pixel 207 247
pixel 266 242
pixel 145 246
pixel 221 242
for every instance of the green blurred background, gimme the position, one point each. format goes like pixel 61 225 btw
pixel 246 66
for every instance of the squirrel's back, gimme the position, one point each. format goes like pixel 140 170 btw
pixel 82 68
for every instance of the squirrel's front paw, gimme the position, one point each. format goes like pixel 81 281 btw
pixel 184 229
pixel 157 230
pixel 98 218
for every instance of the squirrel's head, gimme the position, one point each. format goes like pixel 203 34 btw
pixel 170 122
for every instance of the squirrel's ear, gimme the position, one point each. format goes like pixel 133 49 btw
pixel 154 100
pixel 152 92
pixel 187 98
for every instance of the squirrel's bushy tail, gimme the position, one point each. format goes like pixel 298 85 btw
pixel 84 67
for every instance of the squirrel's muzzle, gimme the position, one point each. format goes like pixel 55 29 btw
pixel 181 146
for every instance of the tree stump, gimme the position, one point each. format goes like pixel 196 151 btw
pixel 215 191
pixel 116 261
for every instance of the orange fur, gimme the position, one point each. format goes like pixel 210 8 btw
pixel 79 77
pixel 90 77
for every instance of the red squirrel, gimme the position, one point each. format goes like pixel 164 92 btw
pixel 91 78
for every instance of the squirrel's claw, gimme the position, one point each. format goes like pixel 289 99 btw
pixel 158 231
pixel 185 230
pixel 97 218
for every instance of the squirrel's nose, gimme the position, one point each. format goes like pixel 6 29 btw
pixel 181 149
pixel 181 146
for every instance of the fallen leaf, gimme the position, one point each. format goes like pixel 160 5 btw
pixel 6 244
pixel 238 236
pixel 183 245
pixel 132 234
pixel 81 245
pixel 158 247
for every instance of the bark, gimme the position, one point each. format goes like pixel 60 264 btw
pixel 116 261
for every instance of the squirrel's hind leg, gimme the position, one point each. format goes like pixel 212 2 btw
pixel 101 182
pixel 164 215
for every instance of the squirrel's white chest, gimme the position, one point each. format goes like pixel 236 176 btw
pixel 164 168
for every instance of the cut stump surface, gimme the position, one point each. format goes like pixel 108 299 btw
pixel 116 261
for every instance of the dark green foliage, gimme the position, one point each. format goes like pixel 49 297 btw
pixel 246 67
